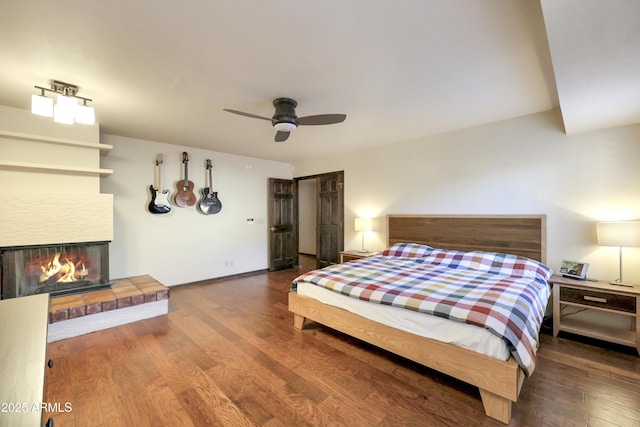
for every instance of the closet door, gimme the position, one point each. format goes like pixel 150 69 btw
pixel 330 218
pixel 283 237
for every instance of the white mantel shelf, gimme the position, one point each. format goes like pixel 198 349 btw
pixel 103 173
pixel 104 148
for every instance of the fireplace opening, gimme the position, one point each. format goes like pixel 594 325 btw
pixel 55 269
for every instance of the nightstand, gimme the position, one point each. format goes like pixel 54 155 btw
pixel 346 256
pixel 597 310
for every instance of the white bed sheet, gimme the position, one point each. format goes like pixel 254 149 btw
pixel 437 328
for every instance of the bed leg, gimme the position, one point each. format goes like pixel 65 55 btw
pixel 496 406
pixel 298 321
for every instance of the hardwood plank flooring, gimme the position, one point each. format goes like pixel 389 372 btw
pixel 227 355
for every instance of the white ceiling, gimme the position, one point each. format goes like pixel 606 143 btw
pixel 164 70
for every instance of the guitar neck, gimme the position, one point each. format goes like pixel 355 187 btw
pixel 159 171
pixel 185 161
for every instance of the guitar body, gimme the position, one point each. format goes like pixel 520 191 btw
pixel 184 195
pixel 210 204
pixel 159 203
pixel 162 198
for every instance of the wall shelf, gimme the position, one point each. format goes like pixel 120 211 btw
pixel 40 167
pixel 104 148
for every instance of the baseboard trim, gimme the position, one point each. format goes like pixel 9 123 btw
pixel 221 278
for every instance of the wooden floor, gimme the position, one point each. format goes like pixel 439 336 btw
pixel 227 354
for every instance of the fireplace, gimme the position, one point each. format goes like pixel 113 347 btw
pixel 55 269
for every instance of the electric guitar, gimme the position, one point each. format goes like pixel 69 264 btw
pixel 159 203
pixel 209 204
pixel 184 195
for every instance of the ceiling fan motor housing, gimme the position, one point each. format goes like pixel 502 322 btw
pixel 285 111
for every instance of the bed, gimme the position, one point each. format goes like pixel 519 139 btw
pixel 498 376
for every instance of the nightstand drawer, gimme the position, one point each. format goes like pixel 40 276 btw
pixel 598 299
pixel 348 257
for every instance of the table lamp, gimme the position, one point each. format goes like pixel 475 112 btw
pixel 363 225
pixel 621 234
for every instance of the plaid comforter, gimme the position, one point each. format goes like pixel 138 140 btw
pixel 505 294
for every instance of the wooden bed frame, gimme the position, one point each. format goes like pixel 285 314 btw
pixel 499 381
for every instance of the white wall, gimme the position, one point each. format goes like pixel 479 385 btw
pixel 184 245
pixel 526 165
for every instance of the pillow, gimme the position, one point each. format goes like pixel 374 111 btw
pixel 490 262
pixel 507 264
pixel 407 250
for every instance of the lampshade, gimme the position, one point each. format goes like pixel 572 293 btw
pixel 363 224
pixel 85 115
pixel 285 126
pixel 65 110
pixel 618 233
pixel 41 105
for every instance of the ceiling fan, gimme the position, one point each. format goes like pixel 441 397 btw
pixel 285 119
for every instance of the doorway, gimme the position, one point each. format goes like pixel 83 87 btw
pixel 321 216
pixel 318 216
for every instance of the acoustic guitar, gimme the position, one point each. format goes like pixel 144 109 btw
pixel 159 203
pixel 184 195
pixel 209 204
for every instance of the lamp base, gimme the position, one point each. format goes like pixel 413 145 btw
pixel 617 282
pixel 363 251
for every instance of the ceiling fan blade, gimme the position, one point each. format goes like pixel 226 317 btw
pixel 242 113
pixel 322 119
pixel 282 136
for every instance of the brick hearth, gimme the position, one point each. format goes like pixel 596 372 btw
pixel 124 293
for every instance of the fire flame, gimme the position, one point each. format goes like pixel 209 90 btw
pixel 65 271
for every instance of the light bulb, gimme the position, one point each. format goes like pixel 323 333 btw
pixel 284 126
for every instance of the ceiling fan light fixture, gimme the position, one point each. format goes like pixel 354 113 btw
pixel 285 126
pixel 285 120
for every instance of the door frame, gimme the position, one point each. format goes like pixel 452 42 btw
pixel 297 207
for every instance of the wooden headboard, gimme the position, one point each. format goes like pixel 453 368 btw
pixel 523 235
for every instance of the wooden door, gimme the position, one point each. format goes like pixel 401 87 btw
pixel 283 231
pixel 330 218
